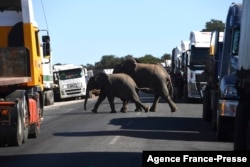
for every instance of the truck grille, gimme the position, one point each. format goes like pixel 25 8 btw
pixel 73 91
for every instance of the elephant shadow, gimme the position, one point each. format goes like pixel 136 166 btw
pixel 169 128
pixel 159 128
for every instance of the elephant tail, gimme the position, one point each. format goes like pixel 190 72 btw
pixel 170 87
pixel 145 90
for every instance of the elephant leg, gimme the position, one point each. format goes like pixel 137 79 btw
pixel 138 108
pixel 100 99
pixel 124 108
pixel 138 103
pixel 156 100
pixel 111 102
pixel 172 105
pixel 145 108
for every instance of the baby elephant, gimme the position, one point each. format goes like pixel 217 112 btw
pixel 114 85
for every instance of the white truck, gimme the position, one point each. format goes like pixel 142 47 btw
pixel 48 82
pixel 71 81
pixel 195 63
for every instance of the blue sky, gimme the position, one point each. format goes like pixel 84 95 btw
pixel 82 31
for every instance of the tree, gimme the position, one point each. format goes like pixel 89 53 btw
pixel 166 56
pixel 214 24
pixel 149 59
pixel 90 66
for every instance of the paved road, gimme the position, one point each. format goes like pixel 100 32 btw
pixel 73 137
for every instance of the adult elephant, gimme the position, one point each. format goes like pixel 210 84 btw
pixel 111 86
pixel 152 76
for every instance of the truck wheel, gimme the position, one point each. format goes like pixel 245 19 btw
pixel 185 91
pixel 17 138
pixel 214 102
pixel 49 98
pixel 206 112
pixel 241 127
pixel 225 128
pixel 25 120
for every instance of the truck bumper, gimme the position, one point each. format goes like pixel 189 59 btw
pixel 194 90
pixel 227 108
pixel 225 120
pixel 70 93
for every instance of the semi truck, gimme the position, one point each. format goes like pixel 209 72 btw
pixel 70 80
pixel 179 68
pixel 195 64
pixel 222 92
pixel 175 72
pixel 21 73
pixel 189 77
pixel 242 119
pixel 212 67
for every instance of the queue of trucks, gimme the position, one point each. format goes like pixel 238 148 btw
pixel 188 63
pixel 213 73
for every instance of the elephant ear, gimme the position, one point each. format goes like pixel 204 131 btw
pixel 117 69
pixel 101 79
pixel 128 66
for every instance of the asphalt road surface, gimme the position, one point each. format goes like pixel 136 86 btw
pixel 73 137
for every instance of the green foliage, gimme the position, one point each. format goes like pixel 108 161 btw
pixel 107 61
pixel 149 59
pixel 214 24
pixel 166 56
pixel 110 61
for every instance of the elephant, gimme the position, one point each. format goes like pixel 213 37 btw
pixel 111 86
pixel 152 76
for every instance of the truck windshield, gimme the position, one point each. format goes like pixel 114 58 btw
pixel 70 74
pixel 198 58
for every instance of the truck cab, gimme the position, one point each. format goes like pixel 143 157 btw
pixel 71 81
pixel 228 96
pixel 220 95
pixel 195 62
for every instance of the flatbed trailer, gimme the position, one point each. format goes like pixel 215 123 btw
pixel 22 91
pixel 4 81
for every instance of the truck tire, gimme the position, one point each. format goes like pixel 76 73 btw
pixel 225 128
pixel 241 127
pixel 25 118
pixel 214 108
pixel 206 112
pixel 16 139
pixel 49 97
pixel 185 92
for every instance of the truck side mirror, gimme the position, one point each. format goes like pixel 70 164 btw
pixel 46 46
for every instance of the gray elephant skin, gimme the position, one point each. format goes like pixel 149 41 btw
pixel 152 76
pixel 111 86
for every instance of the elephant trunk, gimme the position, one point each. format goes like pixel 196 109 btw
pixel 86 99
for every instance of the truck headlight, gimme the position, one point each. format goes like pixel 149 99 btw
pixel 79 84
pixel 228 107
